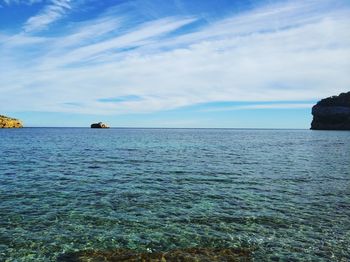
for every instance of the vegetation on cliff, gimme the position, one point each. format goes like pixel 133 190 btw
pixel 342 100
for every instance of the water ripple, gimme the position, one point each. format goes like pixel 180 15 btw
pixel 283 194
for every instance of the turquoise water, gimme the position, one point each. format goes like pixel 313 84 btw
pixel 284 194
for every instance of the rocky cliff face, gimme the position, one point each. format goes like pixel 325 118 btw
pixel 8 122
pixel 332 113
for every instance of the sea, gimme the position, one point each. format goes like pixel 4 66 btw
pixel 284 195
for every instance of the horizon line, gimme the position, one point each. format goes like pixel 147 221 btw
pixel 126 127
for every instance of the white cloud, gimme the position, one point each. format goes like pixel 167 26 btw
pixel 17 2
pixel 296 51
pixel 260 106
pixel 138 37
pixel 51 13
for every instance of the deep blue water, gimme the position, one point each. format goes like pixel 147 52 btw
pixel 283 193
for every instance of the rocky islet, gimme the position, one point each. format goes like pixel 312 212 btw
pixel 99 125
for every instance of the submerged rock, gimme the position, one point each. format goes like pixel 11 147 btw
pixel 8 122
pixel 183 255
pixel 99 125
pixel 332 113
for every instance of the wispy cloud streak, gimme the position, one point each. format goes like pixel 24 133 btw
pixel 260 106
pixel 51 13
pixel 17 2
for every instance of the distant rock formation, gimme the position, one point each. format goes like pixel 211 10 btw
pixel 8 122
pixel 99 125
pixel 185 255
pixel 332 113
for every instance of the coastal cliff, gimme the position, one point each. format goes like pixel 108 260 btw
pixel 8 122
pixel 332 113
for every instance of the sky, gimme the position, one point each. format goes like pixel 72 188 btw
pixel 172 63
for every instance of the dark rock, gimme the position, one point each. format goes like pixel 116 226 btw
pixel 183 255
pixel 8 122
pixel 99 125
pixel 332 113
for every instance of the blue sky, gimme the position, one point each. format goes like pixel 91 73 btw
pixel 173 63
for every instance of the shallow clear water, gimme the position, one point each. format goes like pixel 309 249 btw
pixel 283 193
